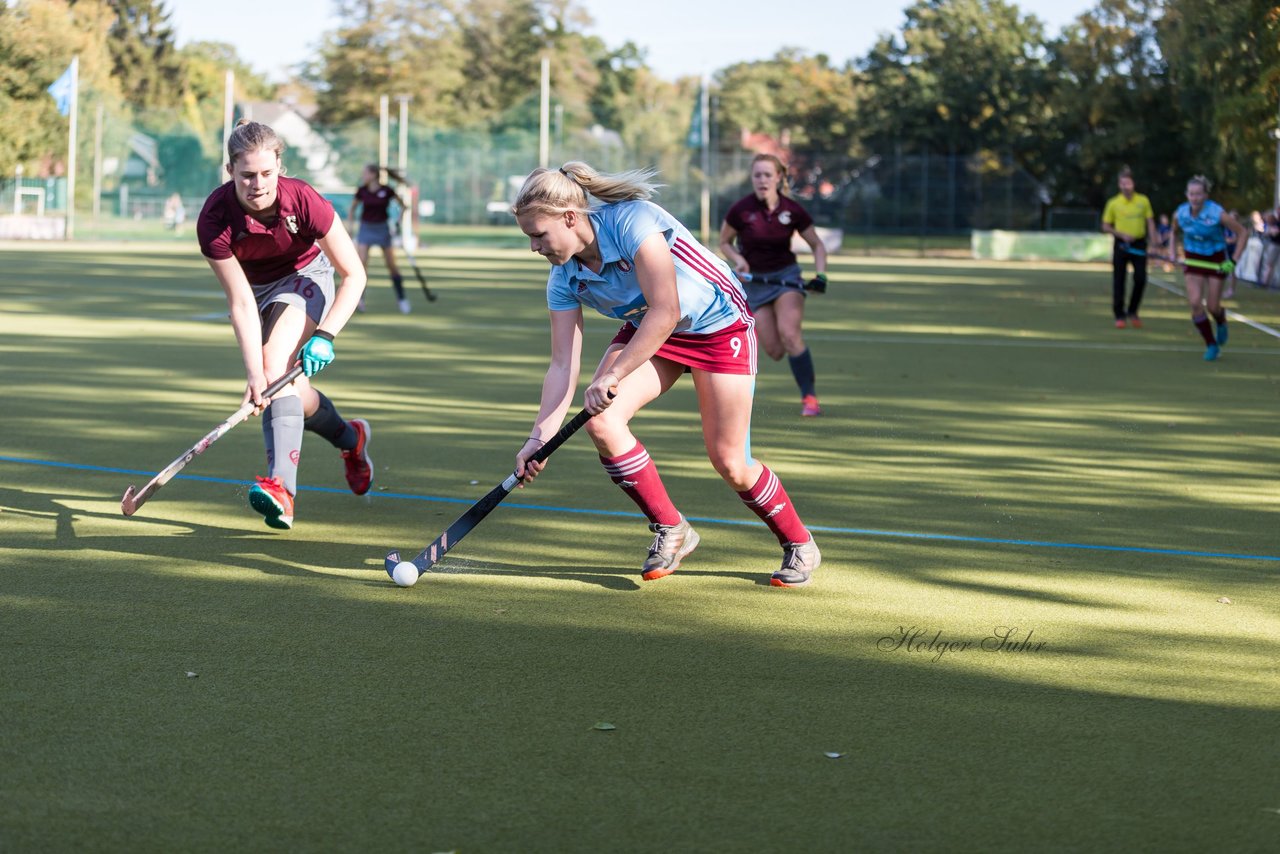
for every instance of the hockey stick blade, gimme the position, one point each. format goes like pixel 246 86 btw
pixel 135 498
pixel 432 296
pixel 433 553
pixel 422 280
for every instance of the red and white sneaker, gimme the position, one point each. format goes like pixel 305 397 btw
pixel 359 466
pixel 269 497
pixel 809 406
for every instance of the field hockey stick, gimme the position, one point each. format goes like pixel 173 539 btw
pixel 413 265
pixel 133 500
pixel 435 552
pixel 1203 265
pixel 772 280
pixel 422 280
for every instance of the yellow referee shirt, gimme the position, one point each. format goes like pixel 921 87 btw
pixel 1129 215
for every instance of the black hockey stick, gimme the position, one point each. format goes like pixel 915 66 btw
pixel 422 280
pixel 433 553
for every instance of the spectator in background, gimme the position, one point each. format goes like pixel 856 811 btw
pixel 1270 248
pixel 175 213
pixel 1162 234
pixel 1257 226
pixel 1251 258
pixel 1128 218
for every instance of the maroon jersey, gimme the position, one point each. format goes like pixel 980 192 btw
pixel 764 237
pixel 271 250
pixel 374 203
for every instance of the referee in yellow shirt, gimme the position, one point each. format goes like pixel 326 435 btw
pixel 1129 219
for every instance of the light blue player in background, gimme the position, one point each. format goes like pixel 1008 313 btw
pixel 1204 224
pixel 682 311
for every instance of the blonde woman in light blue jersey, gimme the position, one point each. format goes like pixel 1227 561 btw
pixel 682 311
pixel 1204 226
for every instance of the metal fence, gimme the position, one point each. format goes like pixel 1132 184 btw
pixel 470 177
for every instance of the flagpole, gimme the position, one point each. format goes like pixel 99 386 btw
pixel 228 113
pixel 97 165
pixel 703 105
pixel 384 136
pixel 71 148
pixel 544 115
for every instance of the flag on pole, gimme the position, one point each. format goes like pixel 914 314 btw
pixel 60 89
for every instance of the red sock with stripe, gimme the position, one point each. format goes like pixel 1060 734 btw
pixel 639 479
pixel 768 500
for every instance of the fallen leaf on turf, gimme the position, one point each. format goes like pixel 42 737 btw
pixel 830 755
pixel 604 727
pixel 1224 600
pixel 191 675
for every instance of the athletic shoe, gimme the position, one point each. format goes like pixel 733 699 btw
pixel 403 304
pixel 1222 334
pixel 359 466
pixel 269 497
pixel 1135 321
pixel 671 543
pixel 1120 324
pixel 809 406
pixel 799 560
pixel 1211 352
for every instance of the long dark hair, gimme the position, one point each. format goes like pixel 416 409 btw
pixel 393 174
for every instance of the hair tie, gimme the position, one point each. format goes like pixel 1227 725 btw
pixel 565 174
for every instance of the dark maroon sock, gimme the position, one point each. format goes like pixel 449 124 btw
pixel 1206 328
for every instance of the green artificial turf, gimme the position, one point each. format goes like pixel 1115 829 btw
pixel 995 459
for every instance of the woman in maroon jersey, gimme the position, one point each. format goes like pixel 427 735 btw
pixel 270 240
pixel 374 198
pixel 761 224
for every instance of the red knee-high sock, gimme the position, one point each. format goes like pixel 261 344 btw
pixel 770 502
pixel 639 479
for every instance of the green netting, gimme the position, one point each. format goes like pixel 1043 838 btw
pixel 469 177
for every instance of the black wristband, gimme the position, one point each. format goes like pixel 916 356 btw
pixel 320 333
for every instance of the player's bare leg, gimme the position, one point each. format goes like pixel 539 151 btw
pixel 628 464
pixel 725 402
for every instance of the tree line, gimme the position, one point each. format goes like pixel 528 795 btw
pixel 1169 87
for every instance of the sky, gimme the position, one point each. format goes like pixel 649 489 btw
pixel 709 35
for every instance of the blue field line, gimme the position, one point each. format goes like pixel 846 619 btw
pixel 821 529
